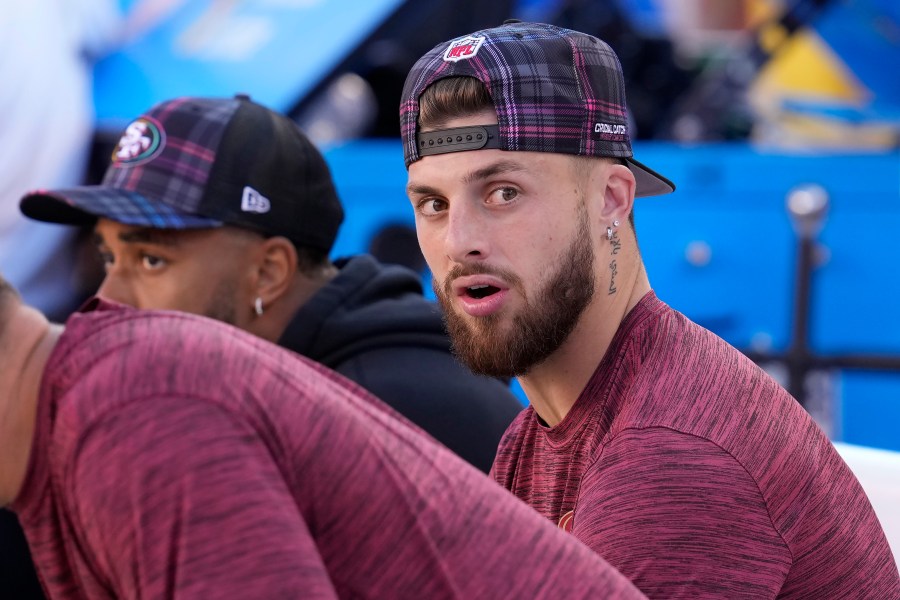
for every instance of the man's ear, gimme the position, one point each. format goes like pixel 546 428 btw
pixel 276 267
pixel 619 195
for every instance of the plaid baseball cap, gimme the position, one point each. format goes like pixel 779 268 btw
pixel 193 163
pixel 554 90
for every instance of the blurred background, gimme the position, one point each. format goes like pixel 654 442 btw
pixel 778 120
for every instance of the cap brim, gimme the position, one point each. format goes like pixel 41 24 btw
pixel 83 205
pixel 648 181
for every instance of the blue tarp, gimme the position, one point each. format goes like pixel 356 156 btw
pixel 274 50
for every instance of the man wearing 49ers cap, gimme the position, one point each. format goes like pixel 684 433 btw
pixel 649 438
pixel 224 208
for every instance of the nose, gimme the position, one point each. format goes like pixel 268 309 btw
pixel 115 287
pixel 466 236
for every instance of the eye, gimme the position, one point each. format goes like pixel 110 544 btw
pixel 152 263
pixel 432 206
pixel 107 258
pixel 503 195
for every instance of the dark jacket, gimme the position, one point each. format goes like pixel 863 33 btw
pixel 372 324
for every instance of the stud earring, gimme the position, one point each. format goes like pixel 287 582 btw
pixel 258 307
pixel 609 230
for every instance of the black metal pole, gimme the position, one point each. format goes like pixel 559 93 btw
pixel 807 206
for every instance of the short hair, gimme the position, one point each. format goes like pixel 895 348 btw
pixel 456 97
pixel 310 260
pixel 451 98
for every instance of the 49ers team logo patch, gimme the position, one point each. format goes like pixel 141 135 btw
pixel 143 139
pixel 567 521
pixel 463 48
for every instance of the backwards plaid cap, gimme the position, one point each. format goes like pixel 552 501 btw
pixel 554 90
pixel 195 163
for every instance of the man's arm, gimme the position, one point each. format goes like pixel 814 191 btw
pixel 681 518
pixel 176 498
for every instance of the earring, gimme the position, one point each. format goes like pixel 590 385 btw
pixel 258 307
pixel 609 230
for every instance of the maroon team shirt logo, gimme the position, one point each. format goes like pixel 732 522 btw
pixel 463 48
pixel 143 139
pixel 567 521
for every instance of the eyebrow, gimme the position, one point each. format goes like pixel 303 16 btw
pixel 145 235
pixel 497 168
pixel 503 166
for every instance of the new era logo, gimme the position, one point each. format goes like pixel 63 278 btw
pixel 463 48
pixel 253 201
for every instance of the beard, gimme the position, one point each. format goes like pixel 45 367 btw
pixel 487 347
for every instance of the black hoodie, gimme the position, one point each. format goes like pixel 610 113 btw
pixel 372 324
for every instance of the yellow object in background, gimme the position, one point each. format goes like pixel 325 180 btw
pixel 805 70
pixel 806 66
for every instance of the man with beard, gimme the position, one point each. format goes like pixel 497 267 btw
pixel 223 208
pixel 158 454
pixel 650 439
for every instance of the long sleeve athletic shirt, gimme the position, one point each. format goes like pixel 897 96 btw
pixel 177 457
pixel 697 476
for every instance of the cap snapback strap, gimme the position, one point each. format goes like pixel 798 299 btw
pixel 458 139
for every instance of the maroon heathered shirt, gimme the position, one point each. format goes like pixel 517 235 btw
pixel 176 457
pixel 696 475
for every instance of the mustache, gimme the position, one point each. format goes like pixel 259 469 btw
pixel 458 271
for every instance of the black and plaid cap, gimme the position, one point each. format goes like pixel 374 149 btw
pixel 554 90
pixel 192 163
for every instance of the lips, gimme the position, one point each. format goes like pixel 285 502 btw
pixel 480 295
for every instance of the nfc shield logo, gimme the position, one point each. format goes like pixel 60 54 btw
pixel 463 48
pixel 253 201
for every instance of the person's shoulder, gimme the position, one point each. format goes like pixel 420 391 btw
pixel 372 280
pixel 104 326
pixel 125 351
pixel 693 382
pixel 101 328
pixel 367 307
pixel 116 357
pixel 686 368
pixel 655 457
pixel 679 341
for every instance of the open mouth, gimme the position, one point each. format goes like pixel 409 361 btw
pixel 481 291
pixel 480 295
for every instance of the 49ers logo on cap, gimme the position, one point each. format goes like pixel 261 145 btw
pixel 142 140
pixel 463 48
